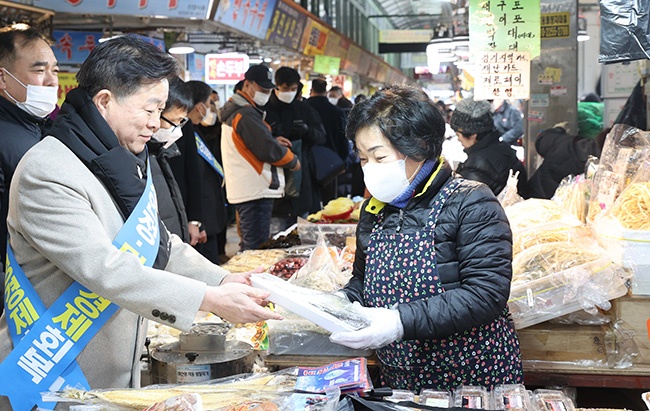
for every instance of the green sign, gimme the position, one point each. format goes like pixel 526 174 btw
pixel 327 65
pixel 504 25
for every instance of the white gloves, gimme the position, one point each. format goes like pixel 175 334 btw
pixel 385 327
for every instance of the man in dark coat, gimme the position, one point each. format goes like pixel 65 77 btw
pixel 563 155
pixel 201 183
pixel 489 160
pixel 334 121
pixel 161 148
pixel 298 122
pixel 27 60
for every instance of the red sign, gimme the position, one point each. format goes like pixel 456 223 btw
pixel 225 68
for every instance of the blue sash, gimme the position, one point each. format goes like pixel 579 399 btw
pixel 45 359
pixel 206 154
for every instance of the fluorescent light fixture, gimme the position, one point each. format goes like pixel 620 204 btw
pixel 268 59
pixel 255 61
pixel 181 48
pixel 583 35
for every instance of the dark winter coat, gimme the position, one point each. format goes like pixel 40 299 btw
pixel 563 155
pixel 473 245
pixel 20 131
pixel 489 161
pixel 170 200
pixel 284 120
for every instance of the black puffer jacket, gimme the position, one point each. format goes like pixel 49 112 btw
pixel 473 254
pixel 563 155
pixel 489 161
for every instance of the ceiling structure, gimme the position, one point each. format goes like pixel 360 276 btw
pixel 416 14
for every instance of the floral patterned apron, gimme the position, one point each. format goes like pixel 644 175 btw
pixel 401 267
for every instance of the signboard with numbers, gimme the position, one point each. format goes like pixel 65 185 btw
pixel 314 38
pixel 287 25
pixel 555 25
pixel 505 25
pixel 226 68
pixel 197 9
pixel 252 17
pixel 502 75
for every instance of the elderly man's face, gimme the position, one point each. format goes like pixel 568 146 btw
pixel 134 118
pixel 35 65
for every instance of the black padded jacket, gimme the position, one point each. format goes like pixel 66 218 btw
pixel 473 245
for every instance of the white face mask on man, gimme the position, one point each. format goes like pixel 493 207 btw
pixel 286 96
pixel 386 181
pixel 209 119
pixel 40 101
pixel 168 135
pixel 333 100
pixel 261 98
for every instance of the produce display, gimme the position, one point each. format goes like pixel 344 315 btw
pixel 632 207
pixel 538 213
pixel 339 210
pixel 251 259
pixel 549 258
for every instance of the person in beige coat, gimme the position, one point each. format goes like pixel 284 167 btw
pixel 71 195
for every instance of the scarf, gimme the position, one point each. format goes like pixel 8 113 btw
pixel 81 127
pixel 425 171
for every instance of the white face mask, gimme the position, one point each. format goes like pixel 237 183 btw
pixel 40 101
pixel 386 181
pixel 286 96
pixel 168 135
pixel 209 119
pixel 261 98
pixel 333 100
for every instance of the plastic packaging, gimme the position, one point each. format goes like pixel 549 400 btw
pixel 585 286
pixel 624 151
pixel 401 395
pixel 509 195
pixel 322 271
pixel 469 396
pixel 552 400
pixel 624 31
pixel 436 398
pixel 572 195
pixel 335 234
pixel 511 397
pixel 303 337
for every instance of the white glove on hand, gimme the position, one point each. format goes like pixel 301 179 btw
pixel 385 327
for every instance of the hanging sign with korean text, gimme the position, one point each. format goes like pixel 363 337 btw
pixel 227 68
pixel 505 25
pixel 502 75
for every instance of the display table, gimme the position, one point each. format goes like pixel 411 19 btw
pixel 637 377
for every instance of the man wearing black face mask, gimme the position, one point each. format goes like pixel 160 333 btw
pixel 28 93
pixel 300 123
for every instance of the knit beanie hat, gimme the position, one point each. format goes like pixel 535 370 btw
pixel 472 117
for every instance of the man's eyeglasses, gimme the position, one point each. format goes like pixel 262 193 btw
pixel 174 126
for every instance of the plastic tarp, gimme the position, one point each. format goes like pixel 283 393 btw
pixel 625 30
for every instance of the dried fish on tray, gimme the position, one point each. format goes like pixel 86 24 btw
pixel 215 395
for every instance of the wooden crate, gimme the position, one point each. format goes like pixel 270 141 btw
pixel 563 343
pixel 635 312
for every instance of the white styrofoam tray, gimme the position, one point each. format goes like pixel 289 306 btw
pixel 294 299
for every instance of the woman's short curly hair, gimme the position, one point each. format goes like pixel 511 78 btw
pixel 406 116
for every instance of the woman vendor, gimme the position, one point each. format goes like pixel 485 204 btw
pixel 433 263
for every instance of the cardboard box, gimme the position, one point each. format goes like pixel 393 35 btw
pixel 565 343
pixel 635 312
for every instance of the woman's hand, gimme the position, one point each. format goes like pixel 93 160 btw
pixel 385 327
